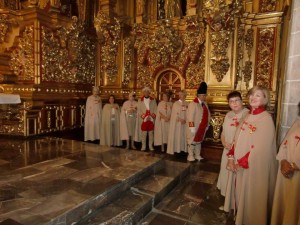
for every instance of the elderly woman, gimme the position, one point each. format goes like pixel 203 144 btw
pixel 110 125
pixel 92 120
pixel 231 122
pixel 177 130
pixel 162 122
pixel 128 120
pixel 286 207
pixel 253 159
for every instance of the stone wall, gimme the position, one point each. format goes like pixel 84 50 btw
pixel 291 83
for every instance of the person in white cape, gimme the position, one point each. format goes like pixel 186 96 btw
pixel 128 120
pixel 231 122
pixel 177 130
pixel 92 119
pixel 146 114
pixel 286 204
pixel 110 125
pixel 162 121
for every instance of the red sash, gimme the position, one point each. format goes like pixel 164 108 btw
pixel 202 126
pixel 147 125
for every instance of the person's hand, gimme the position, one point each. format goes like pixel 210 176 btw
pixel 236 167
pixel 227 146
pixel 167 119
pixel 286 169
pixel 193 130
pixel 230 165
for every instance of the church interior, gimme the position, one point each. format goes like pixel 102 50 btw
pixel 52 52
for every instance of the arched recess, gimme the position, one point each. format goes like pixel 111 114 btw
pixel 169 79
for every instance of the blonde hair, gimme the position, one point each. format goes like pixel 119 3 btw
pixel 183 91
pixel 265 92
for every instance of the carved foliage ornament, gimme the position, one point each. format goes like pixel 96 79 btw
pixel 68 54
pixel 240 55
pixel 4 25
pixel 22 57
pixel 265 56
pixel 128 61
pixel 9 4
pixel 217 122
pixel 165 42
pixel 12 119
pixel 267 5
pixel 141 44
pixel 192 57
pixel 247 70
pixel 166 47
pixel 220 15
pixel 219 60
pixel 109 35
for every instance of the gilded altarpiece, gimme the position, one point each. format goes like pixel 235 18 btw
pixel 49 60
pixel 52 60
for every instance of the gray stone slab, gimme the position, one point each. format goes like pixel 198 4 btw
pixel 51 174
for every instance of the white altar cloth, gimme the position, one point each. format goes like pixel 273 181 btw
pixel 9 99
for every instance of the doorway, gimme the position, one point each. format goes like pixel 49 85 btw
pixel 169 80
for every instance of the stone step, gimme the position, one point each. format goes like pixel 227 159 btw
pixel 195 201
pixel 137 202
pixel 65 189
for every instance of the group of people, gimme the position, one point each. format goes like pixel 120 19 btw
pixel 175 127
pixel 249 164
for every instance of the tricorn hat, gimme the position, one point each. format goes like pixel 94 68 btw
pixel 202 88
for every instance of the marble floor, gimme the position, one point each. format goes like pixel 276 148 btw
pixel 42 180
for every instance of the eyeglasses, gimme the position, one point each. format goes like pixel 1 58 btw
pixel 234 101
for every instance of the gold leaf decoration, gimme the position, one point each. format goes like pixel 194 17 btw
pixel 265 56
pixel 22 57
pixel 109 35
pixel 68 54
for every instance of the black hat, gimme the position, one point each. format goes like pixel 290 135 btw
pixel 202 88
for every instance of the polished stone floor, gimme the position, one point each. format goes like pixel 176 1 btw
pixel 44 178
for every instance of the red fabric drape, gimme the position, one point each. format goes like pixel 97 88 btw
pixel 202 126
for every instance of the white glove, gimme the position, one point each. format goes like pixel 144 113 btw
pixel 193 130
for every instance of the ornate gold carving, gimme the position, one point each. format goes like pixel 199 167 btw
pixel 12 119
pixel 220 62
pixel 48 119
pixel 68 54
pixel 9 4
pixel 128 61
pixel 165 42
pixel 249 41
pixel 33 3
pixel 196 71
pixel 247 70
pixel 164 48
pixel 141 44
pixel 109 35
pixel 172 9
pixel 22 57
pixel 267 5
pixel 217 122
pixel 240 55
pixel 265 56
pixel 192 57
pixel 219 15
pixel 3 27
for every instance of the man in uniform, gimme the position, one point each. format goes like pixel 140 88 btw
pixel 198 117
pixel 146 110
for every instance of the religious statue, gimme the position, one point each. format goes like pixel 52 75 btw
pixel 172 9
